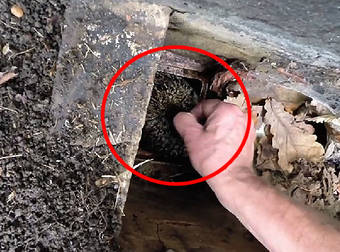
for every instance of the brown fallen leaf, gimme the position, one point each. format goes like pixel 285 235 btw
pixel 332 124
pixel 265 82
pixel 289 98
pixel 256 110
pixel 318 108
pixel 4 77
pixel 239 101
pixel 256 115
pixel 294 140
pixel 17 11
pixel 333 131
pixel 266 155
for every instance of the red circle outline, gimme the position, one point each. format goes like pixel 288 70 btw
pixel 163 48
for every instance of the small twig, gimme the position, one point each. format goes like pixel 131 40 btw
pixel 244 66
pixel 117 195
pixel 49 167
pixel 294 77
pixel 9 26
pixel 12 110
pixel 89 50
pixel 83 68
pixel 104 158
pixel 40 35
pixel 141 163
pixel 19 53
pixel 11 156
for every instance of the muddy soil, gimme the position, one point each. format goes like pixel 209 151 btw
pixel 48 197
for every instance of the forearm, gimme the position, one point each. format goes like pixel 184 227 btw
pixel 277 222
pixel 274 220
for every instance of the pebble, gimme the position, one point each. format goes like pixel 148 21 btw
pixel 17 11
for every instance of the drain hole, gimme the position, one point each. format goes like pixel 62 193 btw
pixel 160 141
pixel 179 84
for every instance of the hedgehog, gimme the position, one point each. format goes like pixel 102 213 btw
pixel 171 94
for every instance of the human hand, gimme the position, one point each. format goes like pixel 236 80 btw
pixel 211 144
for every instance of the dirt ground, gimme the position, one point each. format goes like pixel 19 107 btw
pixel 48 198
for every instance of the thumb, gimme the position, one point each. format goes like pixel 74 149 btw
pixel 187 126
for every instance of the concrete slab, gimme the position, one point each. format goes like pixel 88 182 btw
pixel 304 32
pixel 98 38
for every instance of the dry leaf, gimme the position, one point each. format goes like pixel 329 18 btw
pixel 293 139
pixel 332 124
pixel 333 131
pixel 256 115
pixel 102 182
pixel 266 155
pixel 17 11
pixel 319 108
pixel 323 118
pixel 4 77
pixel 5 49
pixel 333 150
pixel 239 101
pixel 259 90
pixel 11 196
pixel 256 111
pixel 289 98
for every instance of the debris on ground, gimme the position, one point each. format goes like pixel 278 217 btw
pixel 292 139
pixel 17 11
pixel 48 196
pixel 6 76
pixel 5 49
pixel 298 148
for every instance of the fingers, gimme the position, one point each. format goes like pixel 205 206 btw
pixel 216 112
pixel 187 126
pixel 205 108
pixel 218 115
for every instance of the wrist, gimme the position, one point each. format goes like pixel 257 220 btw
pixel 231 185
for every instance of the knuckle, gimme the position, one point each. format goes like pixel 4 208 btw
pixel 178 117
pixel 230 108
pixel 235 110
